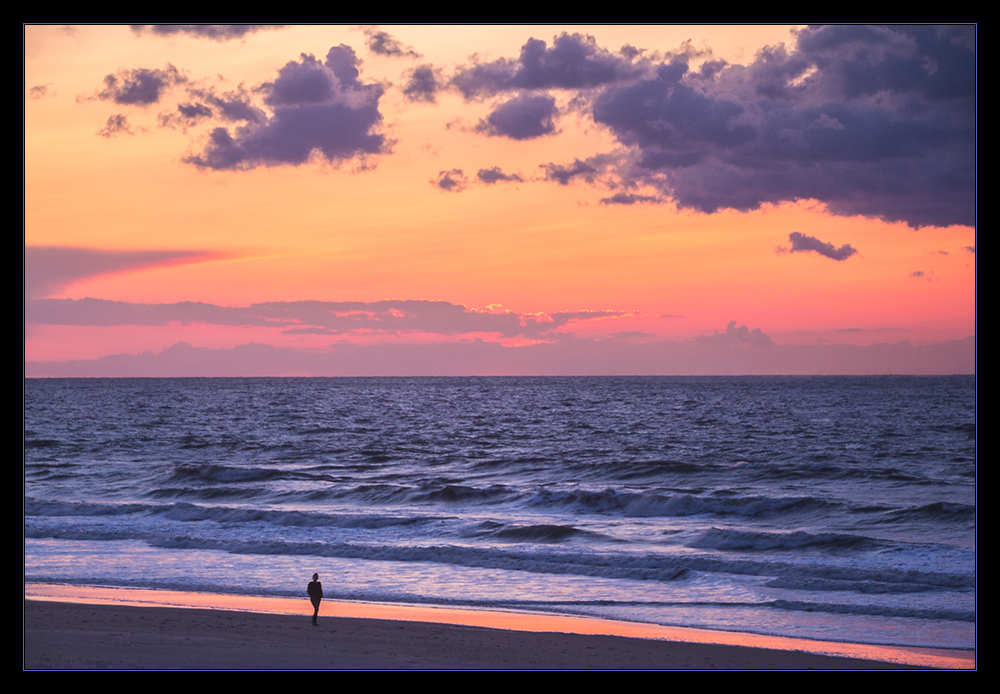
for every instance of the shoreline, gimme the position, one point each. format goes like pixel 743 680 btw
pixel 76 627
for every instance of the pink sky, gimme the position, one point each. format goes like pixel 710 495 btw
pixel 343 200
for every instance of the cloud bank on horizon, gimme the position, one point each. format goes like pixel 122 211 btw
pixel 877 121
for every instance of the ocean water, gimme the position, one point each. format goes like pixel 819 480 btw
pixel 838 508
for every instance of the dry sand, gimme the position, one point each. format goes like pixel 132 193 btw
pixel 82 636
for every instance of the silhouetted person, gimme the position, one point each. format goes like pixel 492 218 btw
pixel 315 591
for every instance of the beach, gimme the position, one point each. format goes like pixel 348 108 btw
pixel 123 637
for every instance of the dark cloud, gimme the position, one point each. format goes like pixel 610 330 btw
pixel 574 61
pixel 524 117
pixel 49 269
pixel 741 334
pixel 215 32
pixel 139 87
pixel 116 125
pixel 495 175
pixel 873 121
pixel 422 84
pixel 803 244
pixel 319 109
pixel 971 249
pixel 453 181
pixel 383 44
pixel 39 91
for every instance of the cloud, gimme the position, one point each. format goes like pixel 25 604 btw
pixel 741 334
pixel 50 269
pixel 567 357
pixel 631 199
pixel 116 125
pixel 872 121
pixel 381 43
pixel 215 32
pixel 139 87
pixel 803 244
pixel 320 109
pixel 392 318
pixel 495 175
pixel 422 84
pixel 232 106
pixel 573 61
pixel 39 91
pixel 453 181
pixel 524 117
pixel 589 169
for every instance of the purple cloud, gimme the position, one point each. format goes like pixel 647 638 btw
pixel 389 317
pixel 453 181
pixel 139 87
pixel 319 109
pixel 873 121
pixel 382 43
pixel 215 32
pixel 422 84
pixel 734 334
pixel 116 125
pixel 574 61
pixel 496 175
pixel 803 244
pixel 524 117
pixel 49 269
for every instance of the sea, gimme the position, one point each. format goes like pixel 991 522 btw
pixel 832 508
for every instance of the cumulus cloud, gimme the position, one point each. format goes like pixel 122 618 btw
pixel 873 121
pixel 496 175
pixel 215 32
pixel 139 87
pixel 524 117
pixel 453 181
pixel 320 109
pixel 804 244
pixel 382 43
pixel 423 83
pixel 573 61
pixel 39 91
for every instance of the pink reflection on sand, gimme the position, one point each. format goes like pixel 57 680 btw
pixel 495 619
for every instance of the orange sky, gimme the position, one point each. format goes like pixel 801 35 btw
pixel 369 226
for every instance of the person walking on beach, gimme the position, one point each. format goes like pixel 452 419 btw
pixel 315 591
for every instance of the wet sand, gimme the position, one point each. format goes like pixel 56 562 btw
pixel 59 635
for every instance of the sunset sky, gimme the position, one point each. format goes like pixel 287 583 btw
pixel 491 200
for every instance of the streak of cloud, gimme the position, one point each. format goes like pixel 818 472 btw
pixel 50 269
pixel 804 244
pixel 214 32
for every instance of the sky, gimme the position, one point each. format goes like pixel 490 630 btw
pixel 264 200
